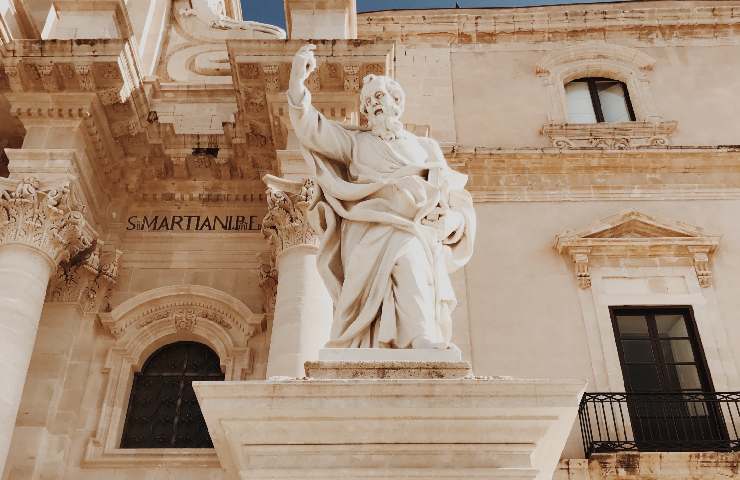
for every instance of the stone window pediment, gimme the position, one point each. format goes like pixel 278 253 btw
pixel 601 59
pixel 142 325
pixel 633 234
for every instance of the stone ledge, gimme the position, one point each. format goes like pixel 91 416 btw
pixel 331 370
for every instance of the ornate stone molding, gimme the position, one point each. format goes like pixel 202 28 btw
pixel 598 59
pixel 147 322
pixel 268 280
pixel 633 234
pixel 48 218
pixel 171 304
pixel 89 283
pixel 610 136
pixel 285 224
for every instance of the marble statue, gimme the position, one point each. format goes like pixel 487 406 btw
pixel 394 219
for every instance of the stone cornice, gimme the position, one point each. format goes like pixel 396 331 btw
pixel 633 234
pixel 667 19
pixel 552 174
pixel 47 218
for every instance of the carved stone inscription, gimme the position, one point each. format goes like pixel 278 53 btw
pixel 194 223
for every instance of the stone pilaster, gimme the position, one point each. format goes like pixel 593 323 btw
pixel 40 227
pixel 303 308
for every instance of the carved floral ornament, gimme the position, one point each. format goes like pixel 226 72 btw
pixel 285 224
pixel 600 59
pixel 636 235
pixel 48 218
pixel 87 280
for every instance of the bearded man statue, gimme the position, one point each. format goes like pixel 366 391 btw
pixel 393 218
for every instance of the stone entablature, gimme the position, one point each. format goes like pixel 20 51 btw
pixel 656 19
pixel 151 320
pixel 635 235
pixel 47 218
pixel 553 174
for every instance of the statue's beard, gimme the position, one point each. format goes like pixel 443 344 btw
pixel 386 126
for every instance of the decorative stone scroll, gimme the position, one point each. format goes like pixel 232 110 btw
pixel 633 234
pixel 285 224
pixel 48 218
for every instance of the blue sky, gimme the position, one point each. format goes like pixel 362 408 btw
pixel 271 11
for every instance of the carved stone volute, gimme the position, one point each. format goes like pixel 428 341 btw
pixel 48 218
pixel 285 224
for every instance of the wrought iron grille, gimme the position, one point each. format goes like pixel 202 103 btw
pixel 660 422
pixel 163 411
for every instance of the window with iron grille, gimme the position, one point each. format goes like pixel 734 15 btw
pixel 163 411
pixel 598 100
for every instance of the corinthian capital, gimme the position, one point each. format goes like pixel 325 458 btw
pixel 47 218
pixel 285 224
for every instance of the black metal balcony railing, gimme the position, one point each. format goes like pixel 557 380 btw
pixel 660 422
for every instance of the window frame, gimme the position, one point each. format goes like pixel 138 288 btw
pixel 139 375
pixel 596 101
pixel 700 361
pixel 140 326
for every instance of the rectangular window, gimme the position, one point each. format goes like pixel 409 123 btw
pixel 670 394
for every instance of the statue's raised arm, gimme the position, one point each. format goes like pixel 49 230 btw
pixel 313 130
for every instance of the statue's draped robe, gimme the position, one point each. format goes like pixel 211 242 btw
pixel 387 273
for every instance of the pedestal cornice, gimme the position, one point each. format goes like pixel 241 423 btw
pixel 47 218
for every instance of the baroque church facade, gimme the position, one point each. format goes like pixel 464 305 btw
pixel 159 294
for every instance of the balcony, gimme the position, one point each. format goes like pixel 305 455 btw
pixel 660 422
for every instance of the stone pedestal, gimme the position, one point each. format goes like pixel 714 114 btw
pixel 390 428
pixel 386 363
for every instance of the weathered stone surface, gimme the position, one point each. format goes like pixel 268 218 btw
pixel 388 369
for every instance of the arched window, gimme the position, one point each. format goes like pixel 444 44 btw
pixel 597 100
pixel 163 411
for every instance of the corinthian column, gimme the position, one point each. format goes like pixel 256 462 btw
pixel 303 308
pixel 40 226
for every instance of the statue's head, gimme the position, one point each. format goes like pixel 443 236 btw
pixel 382 101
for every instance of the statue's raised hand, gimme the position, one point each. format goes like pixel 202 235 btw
pixel 304 63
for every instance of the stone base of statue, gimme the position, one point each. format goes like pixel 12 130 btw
pixel 365 419
pixel 379 363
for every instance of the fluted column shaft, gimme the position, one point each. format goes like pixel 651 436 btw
pixel 39 227
pixel 303 308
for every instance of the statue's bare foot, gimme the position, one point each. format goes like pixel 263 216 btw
pixel 424 342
